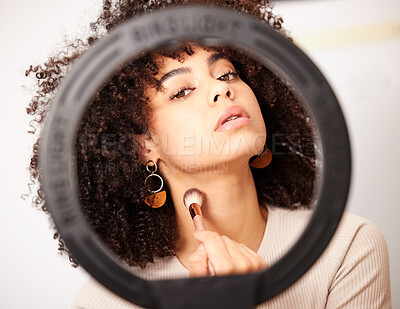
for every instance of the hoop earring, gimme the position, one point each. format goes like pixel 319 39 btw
pixel 262 159
pixel 157 198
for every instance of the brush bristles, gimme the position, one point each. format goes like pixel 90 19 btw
pixel 193 195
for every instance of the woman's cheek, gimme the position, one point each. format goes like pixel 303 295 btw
pixel 176 139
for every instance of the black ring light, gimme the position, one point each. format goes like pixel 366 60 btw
pixel 167 28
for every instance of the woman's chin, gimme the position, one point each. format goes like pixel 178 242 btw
pixel 221 163
pixel 243 145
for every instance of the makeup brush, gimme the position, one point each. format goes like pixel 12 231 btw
pixel 193 200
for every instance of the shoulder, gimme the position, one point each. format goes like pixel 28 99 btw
pixel 353 230
pixel 355 238
pixel 93 295
pixel 358 245
pixel 358 233
pixel 359 258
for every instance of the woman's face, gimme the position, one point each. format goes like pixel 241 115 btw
pixel 186 114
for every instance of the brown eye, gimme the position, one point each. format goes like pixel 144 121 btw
pixel 180 94
pixel 229 75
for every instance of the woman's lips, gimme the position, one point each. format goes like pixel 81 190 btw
pixel 223 123
pixel 233 124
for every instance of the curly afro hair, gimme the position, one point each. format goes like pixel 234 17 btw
pixel 111 181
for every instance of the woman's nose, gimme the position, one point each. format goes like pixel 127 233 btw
pixel 221 92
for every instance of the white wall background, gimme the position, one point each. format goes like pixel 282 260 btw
pixel 355 43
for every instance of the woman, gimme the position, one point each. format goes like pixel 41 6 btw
pixel 160 114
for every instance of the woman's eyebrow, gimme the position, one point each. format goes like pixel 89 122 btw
pixel 210 61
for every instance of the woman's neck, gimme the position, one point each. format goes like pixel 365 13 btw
pixel 231 207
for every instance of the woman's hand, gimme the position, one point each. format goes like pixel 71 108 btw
pixel 226 256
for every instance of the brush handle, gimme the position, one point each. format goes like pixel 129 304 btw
pixel 195 212
pixel 199 223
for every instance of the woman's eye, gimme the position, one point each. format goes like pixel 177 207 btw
pixel 184 92
pixel 180 94
pixel 229 75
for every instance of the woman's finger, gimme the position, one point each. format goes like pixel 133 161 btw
pixel 242 262
pixel 246 260
pixel 197 263
pixel 217 252
pixel 258 262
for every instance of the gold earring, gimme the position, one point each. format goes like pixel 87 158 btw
pixel 262 159
pixel 157 198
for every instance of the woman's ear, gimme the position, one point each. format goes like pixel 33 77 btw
pixel 147 148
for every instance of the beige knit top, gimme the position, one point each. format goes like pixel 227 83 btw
pixel 353 271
